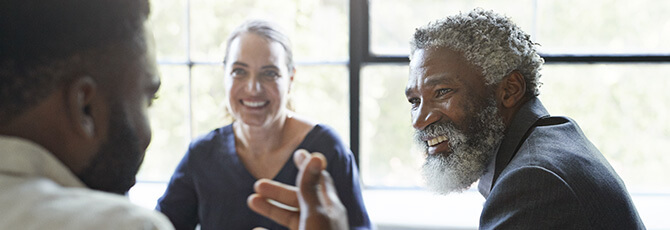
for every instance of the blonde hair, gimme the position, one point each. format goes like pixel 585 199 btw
pixel 269 31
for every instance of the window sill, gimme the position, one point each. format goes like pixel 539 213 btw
pixel 413 209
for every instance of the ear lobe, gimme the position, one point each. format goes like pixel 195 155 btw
pixel 513 89
pixel 290 80
pixel 81 95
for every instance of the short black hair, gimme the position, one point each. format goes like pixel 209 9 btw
pixel 41 42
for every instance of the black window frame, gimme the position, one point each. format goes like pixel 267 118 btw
pixel 361 55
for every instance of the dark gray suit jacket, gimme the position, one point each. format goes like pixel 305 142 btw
pixel 547 175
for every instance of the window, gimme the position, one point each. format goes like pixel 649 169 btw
pixel 190 39
pixel 623 109
pixel 606 67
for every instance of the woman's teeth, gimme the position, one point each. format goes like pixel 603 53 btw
pixel 253 103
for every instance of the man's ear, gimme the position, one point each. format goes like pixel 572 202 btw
pixel 81 95
pixel 512 89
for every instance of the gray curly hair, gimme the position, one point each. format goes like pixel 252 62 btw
pixel 488 40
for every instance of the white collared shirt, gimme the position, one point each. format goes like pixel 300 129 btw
pixel 38 192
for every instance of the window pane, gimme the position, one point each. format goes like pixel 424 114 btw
pixel 321 92
pixel 560 26
pixel 318 29
pixel 169 125
pixel 166 21
pixel 208 98
pixel 388 154
pixel 603 26
pixel 392 22
pixel 623 110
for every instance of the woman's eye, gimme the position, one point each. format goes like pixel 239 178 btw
pixel 442 92
pixel 271 74
pixel 237 72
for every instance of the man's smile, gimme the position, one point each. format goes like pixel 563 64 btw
pixel 438 145
pixel 436 140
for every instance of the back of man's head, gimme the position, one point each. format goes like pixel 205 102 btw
pixel 46 43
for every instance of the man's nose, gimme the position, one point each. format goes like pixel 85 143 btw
pixel 424 116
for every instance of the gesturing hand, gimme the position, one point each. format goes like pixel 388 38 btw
pixel 312 205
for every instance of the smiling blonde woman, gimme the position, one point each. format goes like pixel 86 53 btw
pixel 211 184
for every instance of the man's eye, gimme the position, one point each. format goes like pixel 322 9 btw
pixel 153 98
pixel 414 101
pixel 442 92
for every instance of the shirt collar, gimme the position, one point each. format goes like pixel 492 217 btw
pixel 24 158
pixel 523 120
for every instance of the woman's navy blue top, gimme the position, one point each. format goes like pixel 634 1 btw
pixel 210 185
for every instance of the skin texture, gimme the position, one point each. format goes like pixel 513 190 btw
pixel 455 116
pixel 441 81
pixel 256 72
pixel 97 124
pixel 442 86
pixel 114 167
pixel 257 85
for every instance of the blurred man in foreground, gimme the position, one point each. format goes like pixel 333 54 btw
pixel 76 79
pixel 473 89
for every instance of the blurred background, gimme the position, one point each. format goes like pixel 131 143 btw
pixel 607 65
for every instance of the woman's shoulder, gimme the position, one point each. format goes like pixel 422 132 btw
pixel 323 134
pixel 218 136
pixel 324 139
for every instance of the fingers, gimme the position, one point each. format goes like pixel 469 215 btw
pixel 286 213
pixel 319 205
pixel 315 191
pixel 308 182
pixel 337 213
pixel 277 191
pixel 309 178
pixel 282 216
pixel 300 155
pixel 321 157
pixel 329 191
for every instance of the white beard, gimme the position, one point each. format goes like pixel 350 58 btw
pixel 456 172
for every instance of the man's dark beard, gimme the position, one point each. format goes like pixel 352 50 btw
pixel 472 145
pixel 114 167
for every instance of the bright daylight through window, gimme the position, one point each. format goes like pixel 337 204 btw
pixel 607 65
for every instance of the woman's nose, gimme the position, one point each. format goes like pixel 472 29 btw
pixel 253 85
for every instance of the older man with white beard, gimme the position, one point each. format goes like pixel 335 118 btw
pixel 473 88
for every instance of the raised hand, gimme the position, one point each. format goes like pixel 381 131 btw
pixel 312 205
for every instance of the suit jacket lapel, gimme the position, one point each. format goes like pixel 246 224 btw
pixel 515 135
